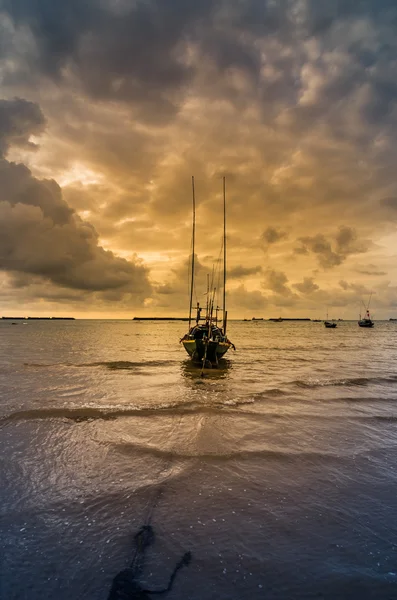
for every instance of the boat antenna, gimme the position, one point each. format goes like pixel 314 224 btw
pixel 369 301
pixel 224 255
pixel 207 307
pixel 193 250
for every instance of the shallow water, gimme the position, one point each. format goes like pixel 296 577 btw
pixel 278 470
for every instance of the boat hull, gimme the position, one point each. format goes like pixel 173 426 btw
pixel 199 350
pixel 366 323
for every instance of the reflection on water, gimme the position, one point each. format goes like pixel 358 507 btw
pixel 195 372
pixel 276 468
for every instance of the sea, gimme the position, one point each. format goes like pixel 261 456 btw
pixel 277 470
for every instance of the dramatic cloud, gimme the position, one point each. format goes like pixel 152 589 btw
pixel 333 253
pixel 371 270
pixel 122 102
pixel 272 235
pixel 359 290
pixel 307 286
pixel 240 272
pixel 40 234
pixel 276 281
pixel 19 120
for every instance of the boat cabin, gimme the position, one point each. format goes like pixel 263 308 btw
pixel 199 332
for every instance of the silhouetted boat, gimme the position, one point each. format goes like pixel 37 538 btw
pixel 207 342
pixel 329 324
pixel 367 320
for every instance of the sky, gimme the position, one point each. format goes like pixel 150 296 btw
pixel 107 109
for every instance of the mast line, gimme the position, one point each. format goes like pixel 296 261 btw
pixel 224 255
pixel 193 251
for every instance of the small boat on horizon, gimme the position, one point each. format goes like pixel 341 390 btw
pixel 329 324
pixel 367 320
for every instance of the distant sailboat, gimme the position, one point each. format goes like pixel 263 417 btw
pixel 367 320
pixel 329 324
pixel 207 342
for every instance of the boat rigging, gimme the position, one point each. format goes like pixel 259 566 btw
pixel 206 341
pixel 366 321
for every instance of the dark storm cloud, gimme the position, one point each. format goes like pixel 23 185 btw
pixel 331 253
pixel 19 120
pixel 142 51
pixel 240 272
pixel 321 247
pixel 276 281
pixel 358 289
pixel 347 242
pixel 133 52
pixel 371 269
pixel 272 235
pixel 40 234
pixel 307 286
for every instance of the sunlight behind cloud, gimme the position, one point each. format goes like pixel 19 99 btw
pixel 78 173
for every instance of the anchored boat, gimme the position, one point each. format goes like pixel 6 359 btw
pixel 206 341
pixel 329 324
pixel 367 320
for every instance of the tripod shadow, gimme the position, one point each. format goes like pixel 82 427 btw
pixel 126 585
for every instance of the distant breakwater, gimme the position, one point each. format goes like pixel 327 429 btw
pixel 39 318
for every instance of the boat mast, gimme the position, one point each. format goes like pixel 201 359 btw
pixel 224 256
pixel 193 250
pixel 369 302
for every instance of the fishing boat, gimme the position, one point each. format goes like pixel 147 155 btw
pixel 366 321
pixel 329 324
pixel 206 341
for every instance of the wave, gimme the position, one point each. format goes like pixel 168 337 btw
pixel 349 381
pixel 113 364
pixel 225 455
pixel 272 393
pixel 226 408
pixel 382 418
pixel 88 413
